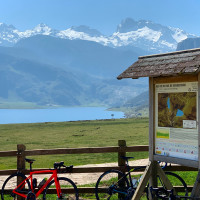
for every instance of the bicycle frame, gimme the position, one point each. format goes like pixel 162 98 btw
pixel 128 174
pixel 30 177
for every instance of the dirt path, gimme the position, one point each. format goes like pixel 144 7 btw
pixel 86 178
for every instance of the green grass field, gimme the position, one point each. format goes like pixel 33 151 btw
pixel 97 133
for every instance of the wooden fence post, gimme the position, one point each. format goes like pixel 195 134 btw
pixel 21 165
pixel 121 161
pixel 21 157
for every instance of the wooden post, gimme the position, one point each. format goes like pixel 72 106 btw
pixel 20 163
pixel 196 189
pixel 121 161
pixel 143 182
pixel 151 119
pixel 153 178
pixel 21 157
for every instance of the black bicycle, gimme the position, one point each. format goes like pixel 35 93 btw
pixel 114 184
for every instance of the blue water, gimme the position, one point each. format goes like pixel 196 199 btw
pixel 179 112
pixel 168 103
pixel 8 116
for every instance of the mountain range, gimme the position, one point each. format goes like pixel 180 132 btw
pixel 79 65
pixel 142 34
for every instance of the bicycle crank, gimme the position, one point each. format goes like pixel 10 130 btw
pixel 31 196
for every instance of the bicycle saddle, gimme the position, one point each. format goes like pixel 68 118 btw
pixel 29 160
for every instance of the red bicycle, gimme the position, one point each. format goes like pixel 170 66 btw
pixel 27 187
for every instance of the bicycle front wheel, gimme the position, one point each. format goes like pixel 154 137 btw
pixel 178 183
pixel 11 183
pixel 109 187
pixel 68 189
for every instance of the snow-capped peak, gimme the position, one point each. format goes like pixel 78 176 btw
pixel 144 32
pixel 86 29
pixel 72 34
pixel 42 29
pixel 180 35
pixel 6 27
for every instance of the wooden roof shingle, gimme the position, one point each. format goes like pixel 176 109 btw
pixel 168 64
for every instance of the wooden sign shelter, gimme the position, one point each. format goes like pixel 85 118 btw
pixel 174 111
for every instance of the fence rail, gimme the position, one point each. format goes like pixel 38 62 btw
pixel 121 149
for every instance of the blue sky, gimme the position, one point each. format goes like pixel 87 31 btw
pixel 103 15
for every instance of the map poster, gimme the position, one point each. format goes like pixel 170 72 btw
pixel 176 130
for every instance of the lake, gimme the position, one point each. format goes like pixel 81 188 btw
pixel 8 116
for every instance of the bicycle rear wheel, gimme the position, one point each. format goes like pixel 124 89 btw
pixel 11 183
pixel 68 189
pixel 108 186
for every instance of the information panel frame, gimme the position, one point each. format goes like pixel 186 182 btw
pixel 176 120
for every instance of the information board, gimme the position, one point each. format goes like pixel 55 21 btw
pixel 176 129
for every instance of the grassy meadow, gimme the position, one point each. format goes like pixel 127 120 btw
pixel 97 133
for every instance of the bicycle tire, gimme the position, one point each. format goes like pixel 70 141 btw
pixel 173 178
pixel 183 183
pixel 9 184
pixel 64 184
pixel 108 180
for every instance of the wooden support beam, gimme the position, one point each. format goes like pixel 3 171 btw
pixel 164 178
pixel 196 188
pixel 143 182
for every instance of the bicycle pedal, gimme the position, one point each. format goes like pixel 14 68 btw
pixel 31 196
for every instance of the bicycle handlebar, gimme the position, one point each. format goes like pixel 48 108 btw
pixel 61 164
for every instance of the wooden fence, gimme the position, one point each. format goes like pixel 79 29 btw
pixel 121 149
